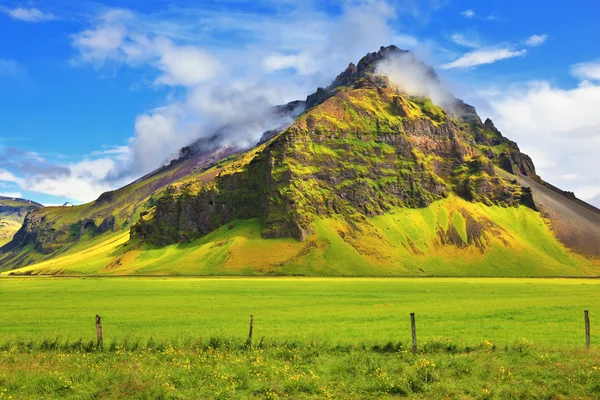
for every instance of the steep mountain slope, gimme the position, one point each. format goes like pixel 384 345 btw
pixel 52 231
pixel 368 180
pixel 12 215
pixel 574 222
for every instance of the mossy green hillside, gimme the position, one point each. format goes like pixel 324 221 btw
pixel 51 231
pixel 451 237
pixel 362 151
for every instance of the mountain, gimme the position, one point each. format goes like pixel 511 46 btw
pixel 368 179
pixel 12 215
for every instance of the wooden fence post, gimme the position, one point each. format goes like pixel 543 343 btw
pixel 414 332
pixel 587 328
pixel 249 341
pixel 99 331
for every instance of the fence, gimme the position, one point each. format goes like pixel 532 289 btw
pixel 413 325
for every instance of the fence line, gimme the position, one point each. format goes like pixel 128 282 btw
pixel 413 325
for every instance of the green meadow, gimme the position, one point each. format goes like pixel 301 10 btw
pixel 334 310
pixel 339 338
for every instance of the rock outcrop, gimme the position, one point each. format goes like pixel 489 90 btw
pixel 360 149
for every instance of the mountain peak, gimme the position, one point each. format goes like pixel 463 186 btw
pixel 367 73
pixel 366 65
pixel 368 62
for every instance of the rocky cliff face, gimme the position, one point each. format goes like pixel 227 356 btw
pixel 51 229
pixel 12 215
pixel 360 148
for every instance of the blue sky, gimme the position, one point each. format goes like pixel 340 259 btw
pixel 95 94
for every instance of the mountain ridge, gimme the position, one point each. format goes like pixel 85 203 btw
pixel 361 152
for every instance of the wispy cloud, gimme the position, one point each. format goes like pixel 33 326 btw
pixel 407 42
pixel 27 14
pixel 535 40
pixel 470 13
pixel 13 195
pixel 118 36
pixel 300 62
pixel 466 41
pixel 483 56
pixel 587 70
pixel 7 176
pixel 83 180
pixel 111 150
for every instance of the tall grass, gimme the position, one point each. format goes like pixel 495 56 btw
pixel 227 368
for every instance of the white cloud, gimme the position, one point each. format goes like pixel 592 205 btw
pixel 463 40
pixel 558 127
pixel 568 177
pixel 111 150
pixel 186 65
pixel 413 77
pixel 155 133
pixel 535 40
pixel 483 56
pixel 406 42
pixel 300 62
pixel 85 182
pixel 228 85
pixel 588 70
pixel 7 176
pixel 13 195
pixel 119 36
pixel 28 14
pixel 106 39
pixel 468 13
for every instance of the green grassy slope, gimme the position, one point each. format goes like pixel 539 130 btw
pixel 452 237
pixel 59 231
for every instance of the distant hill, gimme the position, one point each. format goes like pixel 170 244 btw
pixel 12 215
pixel 368 179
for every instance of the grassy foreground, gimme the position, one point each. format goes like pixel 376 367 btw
pixel 218 369
pixel 313 338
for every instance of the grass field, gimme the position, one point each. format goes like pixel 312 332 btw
pixel 180 338
pixel 337 310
